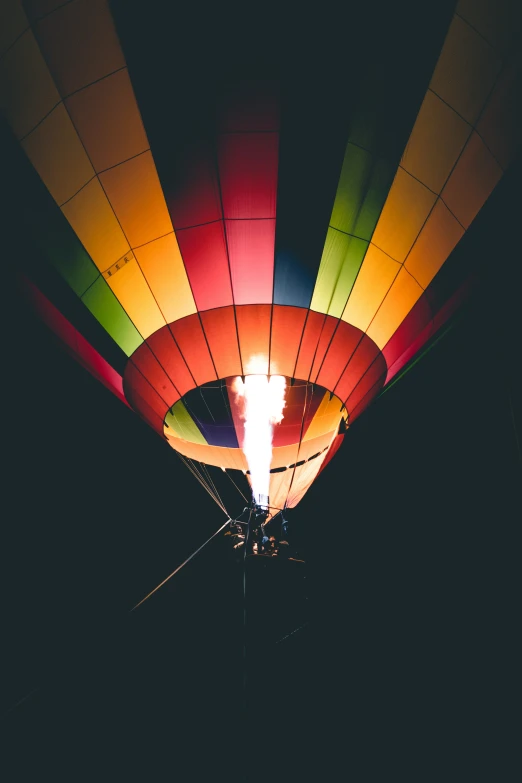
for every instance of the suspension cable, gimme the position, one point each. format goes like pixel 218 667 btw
pixel 184 563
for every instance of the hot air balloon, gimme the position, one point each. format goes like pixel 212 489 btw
pixel 228 275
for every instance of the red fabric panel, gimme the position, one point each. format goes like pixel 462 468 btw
pixel 332 451
pixel 344 343
pixel 311 334
pixel 365 353
pixel 220 330
pixel 196 199
pixel 190 338
pixel 148 364
pixel 301 405
pixel 205 257
pixel 147 413
pixel 164 347
pixel 287 330
pixel 248 174
pixel 251 254
pixel 253 324
pixel 418 317
pixel 366 400
pixel 441 317
pixel 75 343
pixel 138 387
pixel 250 106
pixel 323 344
pixel 372 379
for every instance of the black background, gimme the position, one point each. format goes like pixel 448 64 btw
pixel 407 667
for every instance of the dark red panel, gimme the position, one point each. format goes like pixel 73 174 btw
pixel 251 254
pixel 190 338
pixel 366 400
pixel 323 344
pixel 372 379
pixel 150 367
pixel 137 388
pixel 164 347
pixel 147 413
pixel 302 401
pixel 205 257
pixel 248 174
pixel 74 342
pixel 332 451
pixel 344 343
pixel 365 353
pixel 413 324
pixel 221 332
pixel 250 106
pixel 287 331
pixel 311 335
pixel 253 324
pixel 195 198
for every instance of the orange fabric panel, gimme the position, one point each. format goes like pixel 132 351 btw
pixel 134 190
pixel 94 222
pixel 27 91
pixel 437 239
pixel 326 418
pixel 304 477
pixel 401 297
pixel 108 120
pixel 13 22
pixel 287 331
pixel 472 181
pixel 373 281
pixel 253 325
pixel 499 124
pixel 58 155
pixel 499 21
pixel 232 459
pixel 282 456
pixel 221 333
pixel 162 265
pixel 408 205
pixel 436 140
pixel 279 487
pixel 135 297
pixel 79 43
pixel 466 70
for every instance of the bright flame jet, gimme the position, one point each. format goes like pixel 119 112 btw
pixel 263 403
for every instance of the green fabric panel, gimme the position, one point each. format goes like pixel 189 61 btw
pixel 341 260
pixel 66 253
pixel 102 303
pixel 180 420
pixel 363 186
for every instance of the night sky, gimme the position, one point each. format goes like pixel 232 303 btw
pixel 406 667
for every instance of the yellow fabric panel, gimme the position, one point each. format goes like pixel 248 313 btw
pixel 58 155
pixel 326 418
pixel 134 190
pixel 80 44
pixel 375 278
pixel 473 179
pixel 499 21
pixel 305 476
pixel 231 459
pixel 284 455
pixel 436 140
pixel 408 205
pixel 129 286
pixel 108 121
pixel 466 70
pixel 96 226
pixel 401 297
pixel 162 265
pixel 13 22
pixel 27 91
pixel 436 241
pixel 279 487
